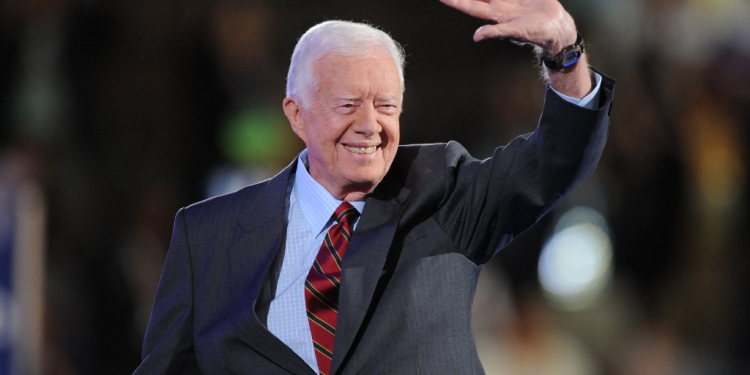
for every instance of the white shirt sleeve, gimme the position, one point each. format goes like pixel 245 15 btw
pixel 590 101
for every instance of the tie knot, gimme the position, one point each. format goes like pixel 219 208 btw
pixel 346 212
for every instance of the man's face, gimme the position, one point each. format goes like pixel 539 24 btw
pixel 350 124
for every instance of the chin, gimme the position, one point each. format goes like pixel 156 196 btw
pixel 364 183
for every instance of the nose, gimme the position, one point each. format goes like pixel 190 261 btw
pixel 367 122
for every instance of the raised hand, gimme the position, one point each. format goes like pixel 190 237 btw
pixel 544 23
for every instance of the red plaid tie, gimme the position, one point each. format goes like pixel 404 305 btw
pixel 322 285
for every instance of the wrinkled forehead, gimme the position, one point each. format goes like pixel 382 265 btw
pixel 338 62
pixel 370 52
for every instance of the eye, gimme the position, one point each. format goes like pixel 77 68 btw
pixel 388 108
pixel 346 108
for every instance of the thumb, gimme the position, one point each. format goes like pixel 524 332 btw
pixel 500 30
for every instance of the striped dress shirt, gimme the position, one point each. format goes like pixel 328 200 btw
pixel 310 209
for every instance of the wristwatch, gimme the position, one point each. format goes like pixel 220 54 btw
pixel 567 57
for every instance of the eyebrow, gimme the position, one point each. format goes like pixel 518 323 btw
pixel 355 97
pixel 347 97
pixel 391 97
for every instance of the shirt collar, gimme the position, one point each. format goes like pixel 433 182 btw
pixel 316 202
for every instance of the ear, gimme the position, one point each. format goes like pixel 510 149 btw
pixel 293 111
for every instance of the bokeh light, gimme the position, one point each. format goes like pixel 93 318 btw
pixel 575 265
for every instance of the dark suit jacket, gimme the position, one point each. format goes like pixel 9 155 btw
pixel 410 270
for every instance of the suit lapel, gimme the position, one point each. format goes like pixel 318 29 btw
pixel 264 222
pixel 363 264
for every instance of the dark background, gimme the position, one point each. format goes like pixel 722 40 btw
pixel 127 111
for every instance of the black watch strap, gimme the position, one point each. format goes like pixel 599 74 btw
pixel 568 57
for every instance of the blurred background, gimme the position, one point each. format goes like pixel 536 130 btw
pixel 113 115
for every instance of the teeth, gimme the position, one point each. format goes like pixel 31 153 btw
pixel 362 150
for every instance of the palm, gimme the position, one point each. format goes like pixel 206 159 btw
pixel 541 22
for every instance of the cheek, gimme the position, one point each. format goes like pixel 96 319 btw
pixel 323 142
pixel 392 132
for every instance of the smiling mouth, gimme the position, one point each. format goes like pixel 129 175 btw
pixel 362 150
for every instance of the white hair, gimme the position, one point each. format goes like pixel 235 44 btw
pixel 339 37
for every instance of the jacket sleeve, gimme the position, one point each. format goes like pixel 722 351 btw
pixel 168 345
pixel 490 202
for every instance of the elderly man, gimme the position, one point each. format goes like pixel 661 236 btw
pixel 362 256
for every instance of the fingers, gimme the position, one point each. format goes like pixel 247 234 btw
pixel 474 8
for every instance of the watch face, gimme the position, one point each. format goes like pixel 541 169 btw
pixel 570 58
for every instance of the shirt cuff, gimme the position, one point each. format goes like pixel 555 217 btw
pixel 590 101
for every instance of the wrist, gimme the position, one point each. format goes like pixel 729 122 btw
pixel 566 56
pixel 575 81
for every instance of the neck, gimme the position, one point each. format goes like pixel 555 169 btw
pixel 353 196
pixel 350 193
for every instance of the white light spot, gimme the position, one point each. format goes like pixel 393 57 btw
pixel 575 264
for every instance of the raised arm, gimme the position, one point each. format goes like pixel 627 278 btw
pixel 543 23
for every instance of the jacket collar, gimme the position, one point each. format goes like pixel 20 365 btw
pixel 263 218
